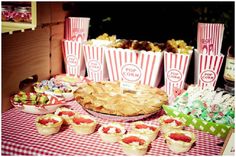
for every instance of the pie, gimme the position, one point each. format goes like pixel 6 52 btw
pixel 167 123
pixel 179 141
pixel 149 130
pixel 48 124
pixel 112 132
pixel 109 98
pixel 134 144
pixel 83 124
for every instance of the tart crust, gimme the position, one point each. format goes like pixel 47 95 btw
pixel 51 128
pixel 83 128
pixel 111 137
pixel 178 146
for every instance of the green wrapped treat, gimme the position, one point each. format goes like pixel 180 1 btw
pixel 43 99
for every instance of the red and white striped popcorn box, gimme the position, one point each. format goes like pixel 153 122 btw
pixel 76 28
pixel 73 58
pixel 206 69
pixel 175 69
pixel 134 66
pixel 95 62
pixel 209 38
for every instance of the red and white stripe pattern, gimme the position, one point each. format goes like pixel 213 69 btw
pixel 207 68
pixel 73 58
pixel 95 62
pixel 209 38
pixel 147 65
pixel 176 67
pixel 77 28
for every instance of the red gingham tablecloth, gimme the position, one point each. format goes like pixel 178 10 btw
pixel 20 137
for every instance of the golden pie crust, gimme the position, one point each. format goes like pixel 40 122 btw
pixel 109 98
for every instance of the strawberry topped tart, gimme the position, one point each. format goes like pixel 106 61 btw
pixel 179 141
pixel 66 114
pixel 48 124
pixel 83 124
pixel 134 144
pixel 111 132
pixel 151 131
pixel 167 123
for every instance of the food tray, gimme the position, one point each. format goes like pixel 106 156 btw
pixel 219 130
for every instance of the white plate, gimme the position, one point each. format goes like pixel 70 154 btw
pixel 44 109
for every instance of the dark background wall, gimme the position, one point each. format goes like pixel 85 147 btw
pixel 157 21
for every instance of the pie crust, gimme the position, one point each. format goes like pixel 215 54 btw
pixel 176 123
pixel 134 148
pixel 111 136
pixel 50 127
pixel 83 128
pixel 109 98
pixel 150 131
pixel 179 146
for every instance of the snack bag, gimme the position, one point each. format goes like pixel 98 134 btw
pixel 209 38
pixel 206 69
pixel 76 28
pixel 73 58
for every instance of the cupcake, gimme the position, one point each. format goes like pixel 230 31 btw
pixel 148 130
pixel 111 132
pixel 48 124
pixel 179 141
pixel 66 114
pixel 167 123
pixel 134 144
pixel 83 124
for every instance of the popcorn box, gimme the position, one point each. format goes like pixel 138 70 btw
pixel 209 38
pixel 176 67
pixel 219 130
pixel 206 69
pixel 76 28
pixel 134 66
pixel 73 58
pixel 95 62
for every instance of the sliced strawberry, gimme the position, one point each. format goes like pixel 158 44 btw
pixel 46 121
pixel 68 113
pixel 143 126
pixel 106 129
pixel 168 120
pixel 81 120
pixel 132 139
pixel 180 137
pixel 178 122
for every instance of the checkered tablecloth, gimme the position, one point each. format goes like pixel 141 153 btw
pixel 20 137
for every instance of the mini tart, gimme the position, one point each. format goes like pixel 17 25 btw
pixel 134 144
pixel 179 141
pixel 48 124
pixel 66 114
pixel 168 123
pixel 111 132
pixel 151 131
pixel 83 124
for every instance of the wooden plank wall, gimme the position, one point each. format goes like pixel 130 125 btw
pixel 33 52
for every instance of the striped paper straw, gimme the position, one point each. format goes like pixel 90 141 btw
pixel 134 66
pixel 73 58
pixel 95 62
pixel 77 28
pixel 206 70
pixel 176 67
pixel 209 38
